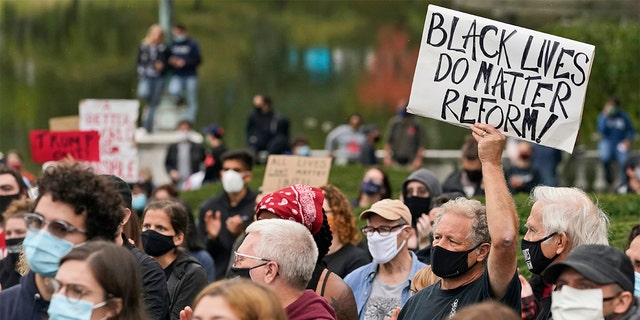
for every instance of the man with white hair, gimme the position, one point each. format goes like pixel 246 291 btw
pixel 561 219
pixel 282 254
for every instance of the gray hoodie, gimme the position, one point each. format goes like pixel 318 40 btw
pixel 426 177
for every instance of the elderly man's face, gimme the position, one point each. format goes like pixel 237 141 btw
pixel 536 231
pixel 452 232
pixel 247 258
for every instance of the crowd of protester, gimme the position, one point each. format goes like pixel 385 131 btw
pixel 75 244
pixel 84 247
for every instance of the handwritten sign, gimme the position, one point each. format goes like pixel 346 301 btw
pixel 284 170
pixel 53 146
pixel 115 120
pixel 528 84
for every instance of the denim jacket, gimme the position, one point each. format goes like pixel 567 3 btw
pixel 360 282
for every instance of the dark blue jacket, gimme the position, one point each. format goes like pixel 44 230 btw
pixel 189 50
pixel 23 301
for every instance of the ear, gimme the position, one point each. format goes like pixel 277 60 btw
pixel 410 232
pixel 623 302
pixel 271 272
pixel 178 239
pixel 127 215
pixel 561 242
pixel 483 252
pixel 114 308
pixel 248 176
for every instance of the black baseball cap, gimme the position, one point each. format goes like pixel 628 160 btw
pixel 601 264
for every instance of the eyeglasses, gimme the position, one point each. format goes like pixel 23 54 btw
pixel 73 292
pixel 239 257
pixel 58 228
pixel 382 230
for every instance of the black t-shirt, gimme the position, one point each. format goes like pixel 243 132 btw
pixel 346 259
pixel 435 303
pixel 169 269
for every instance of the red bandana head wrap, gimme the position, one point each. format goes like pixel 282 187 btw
pixel 298 202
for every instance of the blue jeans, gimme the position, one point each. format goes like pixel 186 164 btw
pixel 179 85
pixel 150 90
pixel 609 151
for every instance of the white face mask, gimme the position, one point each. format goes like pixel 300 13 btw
pixel 636 172
pixel 232 181
pixel 183 136
pixel 384 248
pixel 570 303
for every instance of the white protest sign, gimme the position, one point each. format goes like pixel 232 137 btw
pixel 284 170
pixel 530 85
pixel 115 120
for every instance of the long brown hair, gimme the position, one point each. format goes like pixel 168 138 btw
pixel 343 220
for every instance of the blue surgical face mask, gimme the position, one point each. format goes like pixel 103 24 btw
pixel 303 151
pixel 61 308
pixel 44 251
pixel 636 286
pixel 138 202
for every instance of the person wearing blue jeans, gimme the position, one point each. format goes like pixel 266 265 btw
pixel 617 132
pixel 184 60
pixel 151 66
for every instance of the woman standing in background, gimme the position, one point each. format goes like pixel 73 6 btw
pixel 152 61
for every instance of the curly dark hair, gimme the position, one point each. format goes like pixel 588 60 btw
pixel 89 194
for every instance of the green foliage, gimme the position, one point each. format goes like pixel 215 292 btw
pixel 55 53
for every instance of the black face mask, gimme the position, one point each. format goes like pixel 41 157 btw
pixel 156 244
pixel 450 264
pixel 14 245
pixel 370 188
pixel 234 272
pixel 417 206
pixel 533 256
pixel 474 176
pixel 6 200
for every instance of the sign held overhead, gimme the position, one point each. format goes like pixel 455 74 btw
pixel 529 85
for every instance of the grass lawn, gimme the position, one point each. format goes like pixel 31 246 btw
pixel 624 211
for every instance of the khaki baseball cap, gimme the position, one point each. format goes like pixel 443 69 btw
pixel 389 209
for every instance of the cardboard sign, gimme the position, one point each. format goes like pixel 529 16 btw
pixel 69 123
pixel 55 145
pixel 115 120
pixel 529 85
pixel 284 170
